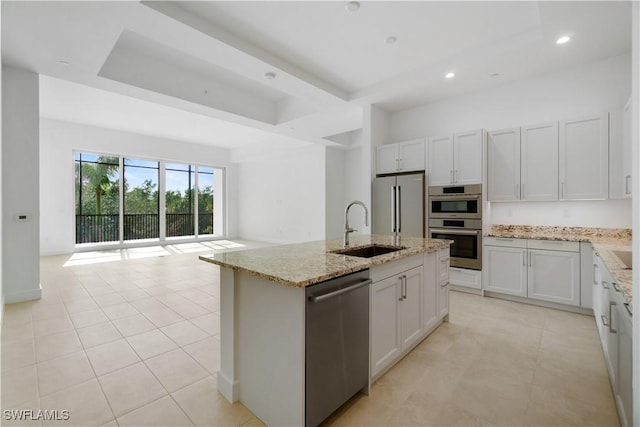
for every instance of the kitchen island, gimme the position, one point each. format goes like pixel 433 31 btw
pixel 262 313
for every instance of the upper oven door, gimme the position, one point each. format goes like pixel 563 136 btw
pixel 460 206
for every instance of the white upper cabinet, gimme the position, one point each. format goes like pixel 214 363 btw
pixel 584 158
pixel 503 165
pixel 456 159
pixel 408 156
pixel 467 157
pixel 620 153
pixel 522 163
pixel 441 160
pixel 539 162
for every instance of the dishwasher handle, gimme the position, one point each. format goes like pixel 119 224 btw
pixel 319 298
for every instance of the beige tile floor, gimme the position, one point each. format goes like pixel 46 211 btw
pixel 131 338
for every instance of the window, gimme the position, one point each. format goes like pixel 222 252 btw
pixel 97 198
pixel 123 199
pixel 179 199
pixel 141 203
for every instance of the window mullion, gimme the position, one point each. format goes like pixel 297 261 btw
pixel 121 197
pixel 162 199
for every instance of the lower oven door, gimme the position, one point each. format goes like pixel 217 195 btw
pixel 466 250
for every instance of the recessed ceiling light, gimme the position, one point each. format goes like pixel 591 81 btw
pixel 63 62
pixel 494 75
pixel 563 39
pixel 449 75
pixel 352 6
pixel 269 75
pixel 391 40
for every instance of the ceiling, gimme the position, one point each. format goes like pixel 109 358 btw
pixel 240 73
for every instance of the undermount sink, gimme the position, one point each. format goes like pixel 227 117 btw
pixel 624 257
pixel 368 251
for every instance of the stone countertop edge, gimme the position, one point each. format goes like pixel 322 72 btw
pixel 304 264
pixel 603 240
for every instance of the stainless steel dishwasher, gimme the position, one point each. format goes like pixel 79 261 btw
pixel 337 343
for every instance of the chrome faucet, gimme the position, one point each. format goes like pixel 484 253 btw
pixel 348 229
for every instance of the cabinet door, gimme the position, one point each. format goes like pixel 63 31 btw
pixel 385 323
pixel 627 121
pixel 539 162
pixel 430 291
pixel 411 155
pixel 616 155
pixel 503 165
pixel 505 270
pixel 441 160
pixel 624 395
pixel 584 158
pixel 554 276
pixel 410 307
pixel 467 157
pixel 387 159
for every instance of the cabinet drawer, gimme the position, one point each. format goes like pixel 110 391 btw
pixel 383 271
pixel 554 245
pixel 507 242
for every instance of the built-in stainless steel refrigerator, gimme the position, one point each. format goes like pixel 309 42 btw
pixel 399 204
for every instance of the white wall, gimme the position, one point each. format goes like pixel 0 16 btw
pixel 59 139
pixel 335 171
pixel 282 196
pixel 20 240
pixel 591 88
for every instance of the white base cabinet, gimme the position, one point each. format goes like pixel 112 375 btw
pixel 613 319
pixel 407 298
pixel 538 269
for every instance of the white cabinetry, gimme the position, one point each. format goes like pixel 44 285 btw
pixel 538 269
pixel 443 285
pixel 405 156
pixel 456 158
pixel 406 305
pixel 522 163
pixel 613 320
pixel 584 158
pixel 620 155
pixel 396 315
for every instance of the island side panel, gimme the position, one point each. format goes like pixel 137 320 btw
pixel 271 349
pixel 227 375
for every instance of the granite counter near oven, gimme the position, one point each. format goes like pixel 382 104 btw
pixel 605 241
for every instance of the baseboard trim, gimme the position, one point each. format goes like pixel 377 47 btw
pixel 229 389
pixel 23 296
pixel 540 303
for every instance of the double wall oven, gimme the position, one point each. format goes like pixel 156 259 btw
pixel 455 213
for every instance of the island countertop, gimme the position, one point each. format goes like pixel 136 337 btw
pixel 305 264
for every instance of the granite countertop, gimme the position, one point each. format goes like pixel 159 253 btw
pixel 603 240
pixel 304 264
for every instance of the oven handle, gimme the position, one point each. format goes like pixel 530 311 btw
pixel 441 197
pixel 450 231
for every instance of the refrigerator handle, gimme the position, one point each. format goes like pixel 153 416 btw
pixel 399 209
pixel 393 208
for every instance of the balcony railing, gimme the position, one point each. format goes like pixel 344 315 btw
pixel 105 228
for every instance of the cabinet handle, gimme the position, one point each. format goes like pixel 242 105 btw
pixel 626 184
pixel 616 287
pixel 524 262
pixel 404 279
pixel 451 175
pixel 613 331
pixel 502 239
pixel 605 284
pixel 529 259
pixel 401 288
pixel 595 267
pixel 626 305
